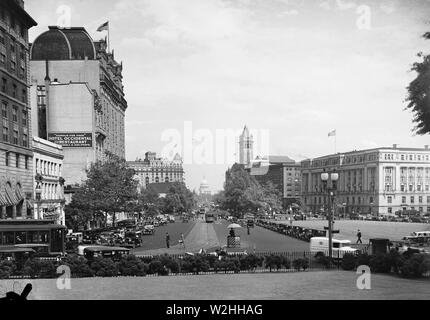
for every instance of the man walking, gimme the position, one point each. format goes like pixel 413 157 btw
pixel 167 240
pixel 359 236
pixel 182 241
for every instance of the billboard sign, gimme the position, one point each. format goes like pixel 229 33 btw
pixel 72 140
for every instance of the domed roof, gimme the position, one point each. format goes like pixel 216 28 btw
pixel 204 182
pixel 63 44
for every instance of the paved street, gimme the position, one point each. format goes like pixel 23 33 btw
pixel 209 236
pixel 276 286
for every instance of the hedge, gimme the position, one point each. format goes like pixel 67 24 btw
pixel 408 264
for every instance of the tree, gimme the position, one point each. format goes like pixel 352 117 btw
pixel 418 97
pixel 110 188
pixel 178 199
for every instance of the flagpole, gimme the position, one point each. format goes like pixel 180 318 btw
pixel 108 38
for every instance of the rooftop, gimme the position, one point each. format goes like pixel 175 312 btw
pixel 63 44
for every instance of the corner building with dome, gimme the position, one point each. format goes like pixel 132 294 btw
pixel 78 98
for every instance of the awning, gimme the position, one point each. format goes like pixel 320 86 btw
pixel 19 194
pixel 3 201
pixel 11 196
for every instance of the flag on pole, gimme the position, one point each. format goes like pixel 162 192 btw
pixel 332 133
pixel 104 26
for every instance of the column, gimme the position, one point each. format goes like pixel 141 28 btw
pixel 24 209
pixel 14 212
pixel 3 212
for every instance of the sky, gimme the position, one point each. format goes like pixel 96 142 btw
pixel 291 70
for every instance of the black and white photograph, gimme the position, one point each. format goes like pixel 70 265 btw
pixel 214 155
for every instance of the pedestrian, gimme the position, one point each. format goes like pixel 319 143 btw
pixel 182 240
pixel 167 240
pixel 359 236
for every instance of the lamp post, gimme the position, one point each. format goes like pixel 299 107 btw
pixel 333 177
pixel 38 191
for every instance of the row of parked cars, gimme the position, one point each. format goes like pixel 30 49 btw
pixel 127 234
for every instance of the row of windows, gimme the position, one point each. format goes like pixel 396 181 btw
pixel 13 22
pixel 50 191
pixel 12 91
pixel 407 157
pixel 18 164
pixel 412 199
pixel 420 209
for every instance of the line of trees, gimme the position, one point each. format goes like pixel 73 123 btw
pixel 110 189
pixel 242 193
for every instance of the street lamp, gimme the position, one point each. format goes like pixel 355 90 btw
pixel 333 177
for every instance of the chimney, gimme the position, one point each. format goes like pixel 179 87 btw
pixel 426 147
pixel 47 79
pixel 394 146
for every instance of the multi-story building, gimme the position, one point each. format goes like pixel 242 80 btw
pixel 373 181
pixel 48 166
pixel 83 108
pixel 283 173
pixel 157 170
pixel 16 156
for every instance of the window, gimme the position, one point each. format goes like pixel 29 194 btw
pixel 14 91
pixel 17 160
pixel 419 187
pixel 24 96
pixel 410 187
pixel 15 114
pixel 420 209
pixel 5 134
pixel 390 210
pixel 402 188
pixel 24 118
pixel 4 109
pixel 26 162
pixel 420 199
pixel 15 136
pixel 7 159
pixel 403 199
pixel 24 140
pixel 428 199
pixel 2 36
pixel 4 85
pixel 412 199
pixel 390 199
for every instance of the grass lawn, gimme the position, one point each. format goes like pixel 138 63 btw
pixel 319 285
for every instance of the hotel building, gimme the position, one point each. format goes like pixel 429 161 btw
pixel 157 170
pixel 78 98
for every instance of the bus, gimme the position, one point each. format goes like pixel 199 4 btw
pixel 209 217
pixel 43 236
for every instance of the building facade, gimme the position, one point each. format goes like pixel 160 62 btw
pixel 77 88
pixel 48 180
pixel 283 173
pixel 16 156
pixel 375 181
pixel 246 147
pixel 157 170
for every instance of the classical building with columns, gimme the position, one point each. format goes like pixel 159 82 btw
pixel 374 181
pixel 16 155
